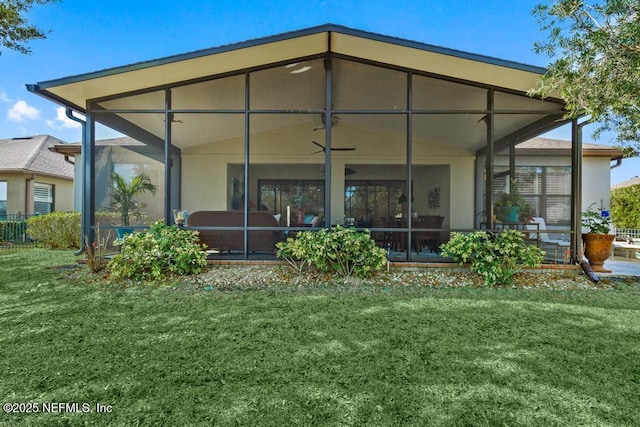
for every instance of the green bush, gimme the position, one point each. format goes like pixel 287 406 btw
pixel 56 229
pixel 157 254
pixel 12 231
pixel 344 251
pixel 495 256
pixel 106 218
pixel 625 206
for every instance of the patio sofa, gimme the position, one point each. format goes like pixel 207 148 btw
pixel 232 240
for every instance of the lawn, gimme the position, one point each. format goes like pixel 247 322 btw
pixel 317 356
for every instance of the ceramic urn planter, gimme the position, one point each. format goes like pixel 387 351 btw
pixel 597 249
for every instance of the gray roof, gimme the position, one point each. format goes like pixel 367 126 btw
pixel 628 183
pixel 554 147
pixel 32 155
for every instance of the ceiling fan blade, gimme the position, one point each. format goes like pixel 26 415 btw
pixel 332 149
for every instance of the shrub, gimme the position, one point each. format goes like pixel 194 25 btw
pixel 55 229
pixel 495 256
pixel 625 206
pixel 106 218
pixel 96 251
pixel 344 251
pixel 157 254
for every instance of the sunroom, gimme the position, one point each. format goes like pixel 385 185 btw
pixel 256 141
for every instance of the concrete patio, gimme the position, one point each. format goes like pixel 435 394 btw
pixel 623 267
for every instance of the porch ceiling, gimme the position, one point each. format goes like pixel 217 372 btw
pixel 385 89
pixel 76 90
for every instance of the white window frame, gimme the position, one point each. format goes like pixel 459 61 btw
pixel 43 193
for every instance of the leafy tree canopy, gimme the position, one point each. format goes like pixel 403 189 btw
pixel 15 31
pixel 595 47
pixel 625 206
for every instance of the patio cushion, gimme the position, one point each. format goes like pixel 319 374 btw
pixel 232 240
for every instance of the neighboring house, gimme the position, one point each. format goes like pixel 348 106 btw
pixel 544 172
pixel 353 127
pixel 122 155
pixel 628 183
pixel 34 180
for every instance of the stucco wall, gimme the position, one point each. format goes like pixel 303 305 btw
pixel 206 179
pixel 16 192
pixel 596 182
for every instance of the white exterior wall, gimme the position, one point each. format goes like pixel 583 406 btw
pixel 596 182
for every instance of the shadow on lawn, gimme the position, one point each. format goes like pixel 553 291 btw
pixel 454 357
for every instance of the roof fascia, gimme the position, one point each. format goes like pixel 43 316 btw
pixel 37 90
pixel 286 36
pixel 438 49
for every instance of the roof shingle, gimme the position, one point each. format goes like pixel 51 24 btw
pixel 32 155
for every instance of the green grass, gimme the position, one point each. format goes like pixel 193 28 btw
pixel 392 356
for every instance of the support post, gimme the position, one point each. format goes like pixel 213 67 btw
pixel 168 119
pixel 409 162
pixel 247 129
pixel 576 188
pixel 327 140
pixel 88 178
pixel 489 162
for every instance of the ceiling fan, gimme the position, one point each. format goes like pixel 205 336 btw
pixel 334 122
pixel 323 149
pixel 347 171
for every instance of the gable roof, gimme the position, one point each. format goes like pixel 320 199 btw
pixel 32 155
pixel 74 91
pixel 557 147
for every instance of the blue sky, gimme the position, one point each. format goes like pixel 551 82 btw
pixel 93 35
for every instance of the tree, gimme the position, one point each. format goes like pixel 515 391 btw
pixel 124 194
pixel 625 206
pixel 595 46
pixel 15 31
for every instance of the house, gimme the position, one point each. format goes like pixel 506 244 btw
pixel 628 183
pixel 544 172
pixel 34 180
pixel 330 122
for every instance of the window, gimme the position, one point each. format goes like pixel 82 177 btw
pixel 372 203
pixel 42 198
pixel 547 189
pixel 3 198
pixel 275 195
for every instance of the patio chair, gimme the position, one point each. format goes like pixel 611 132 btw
pixel 545 241
pixel 429 239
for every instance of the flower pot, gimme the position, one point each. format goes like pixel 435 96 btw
pixel 597 249
pixel 122 231
pixel 512 213
pixel 300 215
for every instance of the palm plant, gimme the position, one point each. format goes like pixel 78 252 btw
pixel 124 194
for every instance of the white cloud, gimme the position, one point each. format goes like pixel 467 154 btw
pixel 62 121
pixel 22 111
pixel 4 97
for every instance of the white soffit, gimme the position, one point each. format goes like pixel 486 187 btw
pixel 433 62
pixel 182 70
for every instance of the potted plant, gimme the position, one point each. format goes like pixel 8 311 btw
pixel 597 240
pixel 124 197
pixel 511 206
